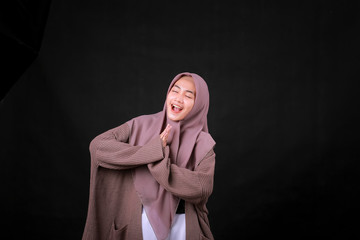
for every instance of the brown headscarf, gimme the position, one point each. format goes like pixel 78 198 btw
pixel 185 151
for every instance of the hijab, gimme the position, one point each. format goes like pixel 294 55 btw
pixel 186 150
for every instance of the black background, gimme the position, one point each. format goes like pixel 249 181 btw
pixel 283 107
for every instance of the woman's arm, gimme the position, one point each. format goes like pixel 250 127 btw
pixel 111 150
pixel 192 186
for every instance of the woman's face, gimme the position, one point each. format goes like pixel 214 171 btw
pixel 181 98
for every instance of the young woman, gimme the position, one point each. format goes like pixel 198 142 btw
pixel 151 177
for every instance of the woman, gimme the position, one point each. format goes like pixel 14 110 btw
pixel 151 177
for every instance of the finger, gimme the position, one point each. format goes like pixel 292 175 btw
pixel 168 129
pixel 167 133
pixel 164 131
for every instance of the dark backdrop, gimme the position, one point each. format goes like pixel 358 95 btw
pixel 283 110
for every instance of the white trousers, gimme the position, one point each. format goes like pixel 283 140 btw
pixel 177 232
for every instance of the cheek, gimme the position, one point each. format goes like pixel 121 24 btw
pixel 168 98
pixel 189 105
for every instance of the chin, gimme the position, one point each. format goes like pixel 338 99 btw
pixel 175 119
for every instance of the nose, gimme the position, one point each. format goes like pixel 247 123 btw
pixel 179 98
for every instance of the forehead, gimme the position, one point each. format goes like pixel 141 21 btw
pixel 187 83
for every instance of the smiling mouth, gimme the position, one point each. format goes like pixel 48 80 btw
pixel 176 108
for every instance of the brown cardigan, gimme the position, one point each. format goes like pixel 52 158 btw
pixel 114 210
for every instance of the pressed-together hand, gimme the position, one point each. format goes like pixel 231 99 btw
pixel 164 135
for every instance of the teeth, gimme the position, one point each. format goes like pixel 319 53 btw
pixel 176 106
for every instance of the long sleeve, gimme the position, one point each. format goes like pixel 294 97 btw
pixel 111 150
pixel 192 186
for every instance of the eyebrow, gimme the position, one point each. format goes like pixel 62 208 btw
pixel 185 90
